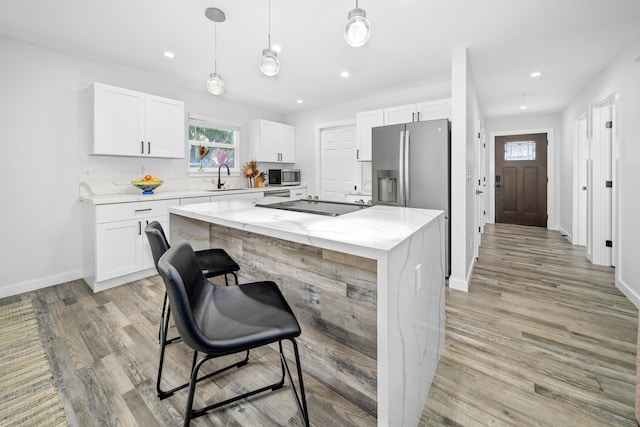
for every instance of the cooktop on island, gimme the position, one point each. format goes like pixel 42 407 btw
pixel 318 207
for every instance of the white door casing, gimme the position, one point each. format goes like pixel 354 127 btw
pixel 602 196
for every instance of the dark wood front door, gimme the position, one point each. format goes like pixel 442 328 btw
pixel 521 179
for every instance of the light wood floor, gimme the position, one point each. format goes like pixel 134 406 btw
pixel 542 338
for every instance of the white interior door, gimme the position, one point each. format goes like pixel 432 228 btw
pixel 339 167
pixel 480 189
pixel 581 187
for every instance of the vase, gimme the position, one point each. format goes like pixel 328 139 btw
pixel 201 166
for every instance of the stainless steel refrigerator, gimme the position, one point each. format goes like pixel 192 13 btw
pixel 411 168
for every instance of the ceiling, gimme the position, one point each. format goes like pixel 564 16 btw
pixel 569 41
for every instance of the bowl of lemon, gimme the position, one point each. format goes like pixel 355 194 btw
pixel 147 184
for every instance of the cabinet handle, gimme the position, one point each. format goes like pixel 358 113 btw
pixel 139 228
pixel 143 210
pixel 141 147
pixel 149 147
pixel 357 154
pixel 418 115
pixel 413 117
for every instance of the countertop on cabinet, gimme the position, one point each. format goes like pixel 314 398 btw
pixel 159 194
pixel 367 232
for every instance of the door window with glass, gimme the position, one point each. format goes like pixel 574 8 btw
pixel 212 143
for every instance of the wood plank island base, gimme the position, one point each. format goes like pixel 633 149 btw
pixel 367 288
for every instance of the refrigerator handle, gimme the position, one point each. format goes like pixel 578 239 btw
pixel 401 166
pixel 407 181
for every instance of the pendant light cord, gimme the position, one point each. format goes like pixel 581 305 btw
pixel 215 48
pixel 269 25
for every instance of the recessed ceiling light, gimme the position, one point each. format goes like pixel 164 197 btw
pixel 526 95
pixel 535 74
pixel 344 74
pixel 169 54
pixel 277 48
pixel 299 101
pixel 523 107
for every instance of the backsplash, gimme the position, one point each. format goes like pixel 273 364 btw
pixel 98 188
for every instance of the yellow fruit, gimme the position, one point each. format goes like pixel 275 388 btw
pixel 155 179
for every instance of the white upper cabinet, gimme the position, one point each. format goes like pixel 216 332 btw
pixel 365 121
pixel 272 142
pixel 401 114
pixel 287 143
pixel 164 127
pixel 130 123
pixel 433 110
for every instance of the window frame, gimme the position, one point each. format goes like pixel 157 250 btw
pixel 213 123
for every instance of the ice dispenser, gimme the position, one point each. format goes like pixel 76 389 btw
pixel 387 186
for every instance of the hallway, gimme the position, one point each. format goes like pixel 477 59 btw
pixel 542 338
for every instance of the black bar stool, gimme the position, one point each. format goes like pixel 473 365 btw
pixel 224 320
pixel 213 262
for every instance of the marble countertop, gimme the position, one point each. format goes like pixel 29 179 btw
pixel 92 197
pixel 368 232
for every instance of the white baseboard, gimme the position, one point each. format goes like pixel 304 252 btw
pixel 566 234
pixel 462 285
pixel 628 292
pixel 40 283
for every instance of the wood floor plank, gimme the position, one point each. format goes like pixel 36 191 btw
pixel 543 337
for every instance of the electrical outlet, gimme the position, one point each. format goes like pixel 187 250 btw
pixel 86 173
pixel 418 277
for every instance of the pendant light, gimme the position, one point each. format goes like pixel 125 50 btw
pixel 269 62
pixel 357 30
pixel 215 85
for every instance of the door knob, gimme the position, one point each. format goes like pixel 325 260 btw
pixel 479 192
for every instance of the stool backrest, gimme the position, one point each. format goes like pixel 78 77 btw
pixel 187 289
pixel 157 240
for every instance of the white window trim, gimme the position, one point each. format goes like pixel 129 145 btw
pixel 219 123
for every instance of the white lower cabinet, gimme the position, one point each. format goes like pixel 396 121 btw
pixel 122 247
pixel 297 194
pixel 118 251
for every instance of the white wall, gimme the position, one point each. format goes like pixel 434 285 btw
pixel 466 114
pixel 307 150
pixel 622 77
pixel 45 137
pixel 559 217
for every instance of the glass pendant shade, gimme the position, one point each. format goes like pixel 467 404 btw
pixel 215 84
pixel 269 63
pixel 357 30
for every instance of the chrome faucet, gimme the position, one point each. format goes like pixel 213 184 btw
pixel 220 183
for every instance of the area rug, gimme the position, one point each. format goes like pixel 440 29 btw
pixel 28 395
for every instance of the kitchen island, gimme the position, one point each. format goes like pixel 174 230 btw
pixel 367 288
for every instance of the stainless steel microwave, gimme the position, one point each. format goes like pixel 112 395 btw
pixel 284 176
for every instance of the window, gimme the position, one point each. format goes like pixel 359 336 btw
pixel 519 150
pixel 217 140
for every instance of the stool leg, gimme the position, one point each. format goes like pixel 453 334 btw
pixel 164 307
pixel 301 399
